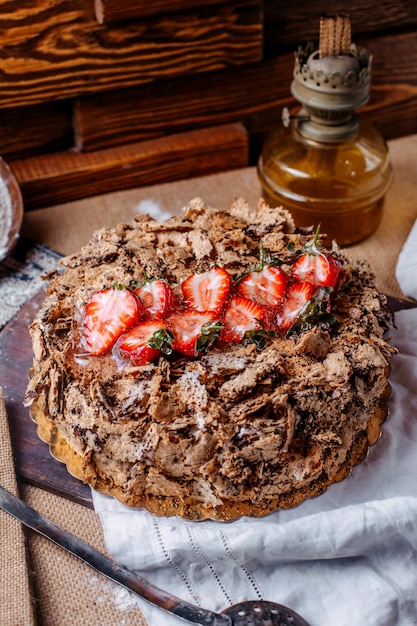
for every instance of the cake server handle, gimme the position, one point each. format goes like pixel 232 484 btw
pixel 106 566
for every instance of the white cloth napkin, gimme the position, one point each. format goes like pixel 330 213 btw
pixel 346 558
pixel 406 268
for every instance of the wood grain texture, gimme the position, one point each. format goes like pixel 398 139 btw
pixel 155 70
pixel 175 105
pixel 254 94
pixel 394 59
pixel 288 25
pixel 55 49
pixel 66 176
pixel 118 10
pixel 37 129
pixel 392 109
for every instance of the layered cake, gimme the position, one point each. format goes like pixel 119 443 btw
pixel 218 364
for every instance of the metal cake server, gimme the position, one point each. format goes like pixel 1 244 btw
pixel 251 613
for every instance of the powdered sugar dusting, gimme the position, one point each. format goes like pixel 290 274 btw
pixel 122 598
pixel 153 209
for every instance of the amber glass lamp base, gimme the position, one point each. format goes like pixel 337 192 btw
pixel 338 185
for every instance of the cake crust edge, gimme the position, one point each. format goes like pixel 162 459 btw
pixel 189 508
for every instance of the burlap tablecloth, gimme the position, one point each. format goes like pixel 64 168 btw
pixel 65 590
pixel 16 602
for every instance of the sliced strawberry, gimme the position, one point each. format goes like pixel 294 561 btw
pixel 207 291
pixel 240 317
pixel 194 331
pixel 319 269
pixel 266 286
pixel 317 312
pixel 157 297
pixel 107 315
pixel 298 295
pixel 144 343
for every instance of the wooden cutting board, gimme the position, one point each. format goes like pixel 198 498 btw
pixel 33 461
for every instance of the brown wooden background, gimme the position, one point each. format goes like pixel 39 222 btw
pixel 101 95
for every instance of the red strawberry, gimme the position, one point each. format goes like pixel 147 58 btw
pixel 194 331
pixel 241 316
pixel 319 269
pixel 316 267
pixel 157 297
pixel 144 343
pixel 207 291
pixel 107 315
pixel 298 294
pixel 266 286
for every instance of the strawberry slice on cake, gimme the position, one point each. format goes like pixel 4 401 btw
pixel 144 343
pixel 207 291
pixel 108 314
pixel 193 331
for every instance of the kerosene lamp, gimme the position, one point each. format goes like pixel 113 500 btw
pixel 323 164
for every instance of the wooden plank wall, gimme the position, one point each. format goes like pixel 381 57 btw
pixel 101 95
